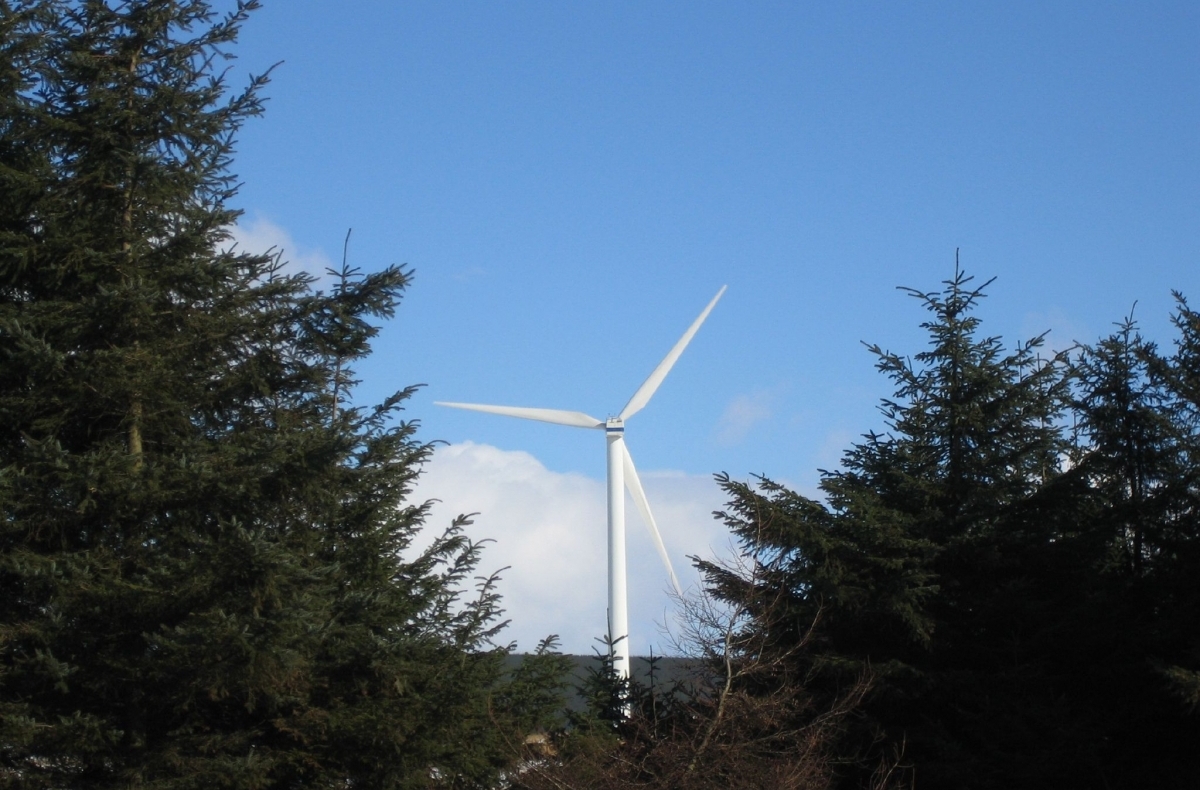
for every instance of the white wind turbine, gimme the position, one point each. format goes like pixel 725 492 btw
pixel 621 475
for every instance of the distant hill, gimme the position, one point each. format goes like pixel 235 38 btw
pixel 667 671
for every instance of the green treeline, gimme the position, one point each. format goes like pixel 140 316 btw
pixel 1014 561
pixel 207 568
pixel 1000 590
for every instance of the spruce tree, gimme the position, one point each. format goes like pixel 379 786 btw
pixel 1177 565
pixel 1013 560
pixel 207 573
pixel 1135 632
pixel 919 568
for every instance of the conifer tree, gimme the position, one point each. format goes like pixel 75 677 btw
pixel 908 569
pixel 1025 599
pixel 207 573
pixel 1134 633
pixel 1131 451
pixel 1178 563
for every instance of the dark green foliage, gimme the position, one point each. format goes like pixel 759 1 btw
pixel 201 537
pixel 1176 565
pixel 1138 458
pixel 1023 593
pixel 606 695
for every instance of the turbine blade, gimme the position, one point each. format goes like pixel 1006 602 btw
pixel 639 498
pixel 646 391
pixel 557 416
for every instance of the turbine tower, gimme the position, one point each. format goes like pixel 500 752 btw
pixel 621 475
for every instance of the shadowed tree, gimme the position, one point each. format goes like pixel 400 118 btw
pixel 1024 595
pixel 919 562
pixel 207 571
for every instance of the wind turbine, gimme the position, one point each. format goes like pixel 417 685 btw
pixel 621 475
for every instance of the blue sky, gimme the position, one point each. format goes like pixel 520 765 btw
pixel 573 182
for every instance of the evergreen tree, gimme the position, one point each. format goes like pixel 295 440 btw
pixel 1025 595
pixel 1131 452
pixel 1138 524
pixel 1177 565
pixel 924 566
pixel 207 573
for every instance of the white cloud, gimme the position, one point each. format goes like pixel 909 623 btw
pixel 550 527
pixel 743 413
pixel 258 235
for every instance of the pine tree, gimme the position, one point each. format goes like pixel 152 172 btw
pixel 207 572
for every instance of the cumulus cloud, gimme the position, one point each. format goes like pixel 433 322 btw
pixel 258 234
pixel 550 529
pixel 743 413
